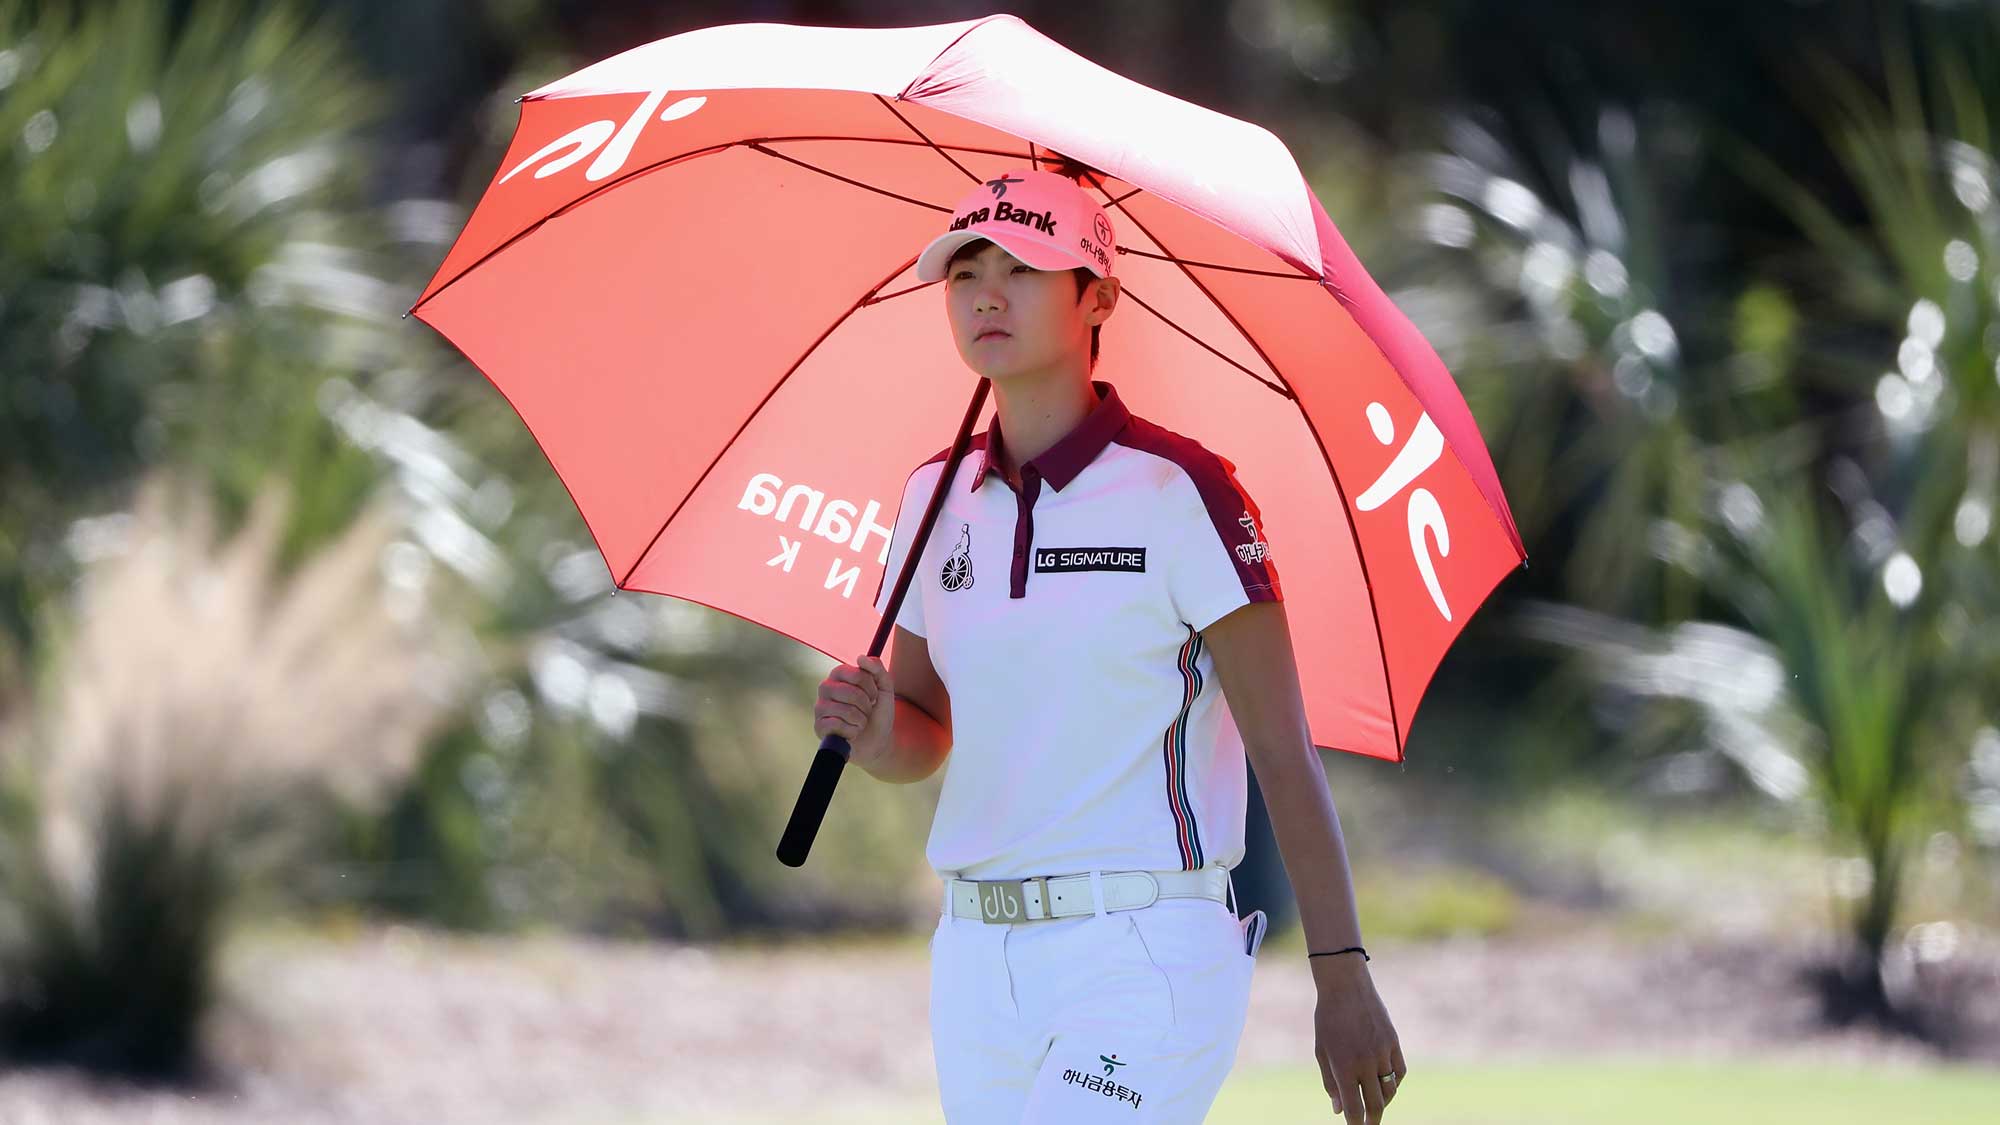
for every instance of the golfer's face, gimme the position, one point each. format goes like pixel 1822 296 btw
pixel 1008 317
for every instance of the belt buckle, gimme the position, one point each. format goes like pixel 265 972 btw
pixel 1005 900
pixel 1000 900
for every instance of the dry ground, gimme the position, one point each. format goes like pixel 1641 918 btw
pixel 393 1024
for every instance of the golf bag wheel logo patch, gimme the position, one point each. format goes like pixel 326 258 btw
pixel 957 572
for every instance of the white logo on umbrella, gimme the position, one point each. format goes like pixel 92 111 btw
pixel 586 139
pixel 1419 453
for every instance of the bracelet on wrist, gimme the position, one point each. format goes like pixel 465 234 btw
pixel 1349 949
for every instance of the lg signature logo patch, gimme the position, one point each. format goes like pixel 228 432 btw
pixel 1062 560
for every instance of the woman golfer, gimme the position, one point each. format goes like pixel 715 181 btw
pixel 1093 642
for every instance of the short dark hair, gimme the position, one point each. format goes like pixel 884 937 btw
pixel 1083 279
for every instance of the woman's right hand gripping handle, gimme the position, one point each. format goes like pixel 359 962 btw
pixel 858 702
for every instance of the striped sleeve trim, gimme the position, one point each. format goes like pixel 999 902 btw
pixel 1173 751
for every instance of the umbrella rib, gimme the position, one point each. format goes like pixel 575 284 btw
pixel 898 293
pixel 676 159
pixel 844 179
pixel 1216 266
pixel 1347 509
pixel 1171 323
pixel 1119 203
pixel 1219 306
pixel 934 145
pixel 761 403
pixel 565 208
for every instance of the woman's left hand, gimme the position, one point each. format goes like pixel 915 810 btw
pixel 1354 1040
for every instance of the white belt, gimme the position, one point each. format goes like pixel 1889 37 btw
pixel 1045 897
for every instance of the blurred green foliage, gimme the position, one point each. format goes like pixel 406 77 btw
pixel 187 244
pixel 1771 555
pixel 183 249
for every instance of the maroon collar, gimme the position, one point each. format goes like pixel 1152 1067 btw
pixel 1061 462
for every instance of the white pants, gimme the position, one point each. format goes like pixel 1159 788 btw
pixel 1127 1015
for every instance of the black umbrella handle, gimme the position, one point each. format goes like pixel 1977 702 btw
pixel 824 776
pixel 817 794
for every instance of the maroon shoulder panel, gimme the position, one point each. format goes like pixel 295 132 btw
pixel 1237 521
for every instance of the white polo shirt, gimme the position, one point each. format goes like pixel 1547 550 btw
pixel 1089 728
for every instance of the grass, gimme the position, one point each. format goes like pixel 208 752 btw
pixel 1591 1092
pixel 1637 1093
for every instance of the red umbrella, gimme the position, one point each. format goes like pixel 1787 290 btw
pixel 693 278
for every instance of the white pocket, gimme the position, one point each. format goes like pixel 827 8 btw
pixel 1255 925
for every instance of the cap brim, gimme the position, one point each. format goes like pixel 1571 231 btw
pixel 930 263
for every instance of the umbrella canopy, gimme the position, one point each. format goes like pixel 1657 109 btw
pixel 693 277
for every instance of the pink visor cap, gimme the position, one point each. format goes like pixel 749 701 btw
pixel 1044 219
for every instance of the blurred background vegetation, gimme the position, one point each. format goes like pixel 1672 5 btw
pixel 296 621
